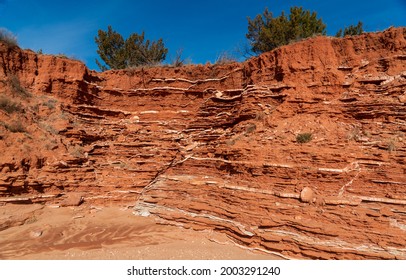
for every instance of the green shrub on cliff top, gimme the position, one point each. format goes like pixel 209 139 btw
pixel 118 53
pixel 266 32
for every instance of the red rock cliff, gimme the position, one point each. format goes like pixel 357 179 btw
pixel 219 146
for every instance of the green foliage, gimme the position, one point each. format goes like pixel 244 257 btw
pixel 304 137
pixel 111 48
pixel 8 38
pixel 9 106
pixel 351 30
pixel 266 32
pixel 118 53
pixel 144 53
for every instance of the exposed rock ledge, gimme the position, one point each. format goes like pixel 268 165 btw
pixel 215 146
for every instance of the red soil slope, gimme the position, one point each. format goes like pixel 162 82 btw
pixel 216 146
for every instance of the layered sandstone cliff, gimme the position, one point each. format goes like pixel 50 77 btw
pixel 216 147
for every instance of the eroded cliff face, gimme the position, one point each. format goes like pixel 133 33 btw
pixel 216 146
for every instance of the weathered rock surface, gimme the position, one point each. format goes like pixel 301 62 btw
pixel 215 146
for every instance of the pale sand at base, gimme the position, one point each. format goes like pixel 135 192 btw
pixel 106 233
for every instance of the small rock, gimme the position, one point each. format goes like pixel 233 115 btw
pixel 135 119
pixel 141 212
pixel 219 94
pixel 145 213
pixel 35 233
pixel 307 195
pixel 72 199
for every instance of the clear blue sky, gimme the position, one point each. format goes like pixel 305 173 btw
pixel 203 29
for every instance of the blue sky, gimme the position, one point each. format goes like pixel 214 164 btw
pixel 203 29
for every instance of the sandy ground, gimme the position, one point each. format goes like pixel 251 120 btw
pixel 90 232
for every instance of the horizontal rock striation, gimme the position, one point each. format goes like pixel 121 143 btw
pixel 217 146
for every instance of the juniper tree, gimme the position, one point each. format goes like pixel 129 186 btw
pixel 140 52
pixel 118 53
pixel 111 49
pixel 266 32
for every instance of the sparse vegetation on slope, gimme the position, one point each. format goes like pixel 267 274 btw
pixel 304 137
pixel 15 126
pixel 8 105
pixel 17 88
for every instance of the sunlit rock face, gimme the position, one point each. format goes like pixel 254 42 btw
pixel 299 151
